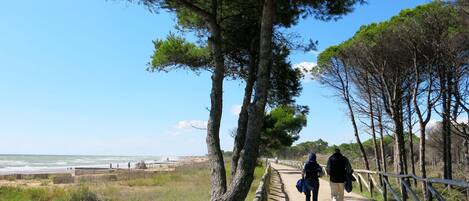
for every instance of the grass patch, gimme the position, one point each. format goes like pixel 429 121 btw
pixel 47 194
pixel 258 172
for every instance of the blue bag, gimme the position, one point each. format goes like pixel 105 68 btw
pixel 299 185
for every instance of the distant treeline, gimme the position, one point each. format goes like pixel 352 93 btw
pixel 352 150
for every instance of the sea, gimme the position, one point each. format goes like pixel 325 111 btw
pixel 31 164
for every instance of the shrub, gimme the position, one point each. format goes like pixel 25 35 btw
pixel 83 194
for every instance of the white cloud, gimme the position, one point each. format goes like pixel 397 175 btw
pixel 235 109
pixel 462 120
pixel 305 68
pixel 432 124
pixel 315 52
pixel 191 124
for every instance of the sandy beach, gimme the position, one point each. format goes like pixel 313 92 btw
pixel 70 175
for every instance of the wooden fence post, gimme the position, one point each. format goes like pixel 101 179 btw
pixel 359 183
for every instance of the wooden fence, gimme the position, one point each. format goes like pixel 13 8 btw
pixel 366 178
pixel 264 185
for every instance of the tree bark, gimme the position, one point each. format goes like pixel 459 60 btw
pixel 446 131
pixel 423 170
pixel 215 155
pixel 345 85
pixel 399 148
pixel 381 135
pixel 243 114
pixel 357 137
pixel 423 121
pixel 411 136
pixel 399 165
pixel 244 175
pixel 373 128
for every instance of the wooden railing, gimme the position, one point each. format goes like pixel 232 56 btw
pixel 264 185
pixel 382 187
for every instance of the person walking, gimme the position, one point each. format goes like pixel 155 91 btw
pixel 310 174
pixel 338 166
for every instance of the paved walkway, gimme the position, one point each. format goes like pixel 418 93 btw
pixel 289 176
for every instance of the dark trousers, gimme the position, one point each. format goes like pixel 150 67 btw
pixel 314 187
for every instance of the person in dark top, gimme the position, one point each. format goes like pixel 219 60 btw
pixel 311 173
pixel 338 166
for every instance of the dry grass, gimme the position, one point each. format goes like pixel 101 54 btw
pixel 188 183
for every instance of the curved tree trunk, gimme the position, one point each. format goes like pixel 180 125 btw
pixel 242 180
pixel 373 128
pixel 215 155
pixel 347 98
pixel 357 137
pixel 243 115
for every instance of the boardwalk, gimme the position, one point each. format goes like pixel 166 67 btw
pixel 276 192
pixel 289 176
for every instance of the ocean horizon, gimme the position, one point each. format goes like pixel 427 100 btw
pixel 42 163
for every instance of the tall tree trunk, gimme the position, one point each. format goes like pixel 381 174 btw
pixel 215 155
pixel 381 143
pixel 411 136
pixel 347 98
pixel 423 121
pixel 373 128
pixel 243 114
pixel 466 149
pixel 375 143
pixel 446 134
pixel 423 169
pixel 399 148
pixel 244 175
pixel 382 150
pixel 355 131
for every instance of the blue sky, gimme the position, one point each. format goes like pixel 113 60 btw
pixel 73 81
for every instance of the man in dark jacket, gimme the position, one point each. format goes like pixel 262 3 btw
pixel 311 173
pixel 338 166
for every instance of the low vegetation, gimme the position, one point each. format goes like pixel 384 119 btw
pixel 188 183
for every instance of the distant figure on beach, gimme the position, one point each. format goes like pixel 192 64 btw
pixel 311 173
pixel 338 166
pixel 110 165
pixel 117 165
pixel 167 159
pixel 128 165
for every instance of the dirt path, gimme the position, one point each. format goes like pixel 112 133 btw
pixel 289 177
